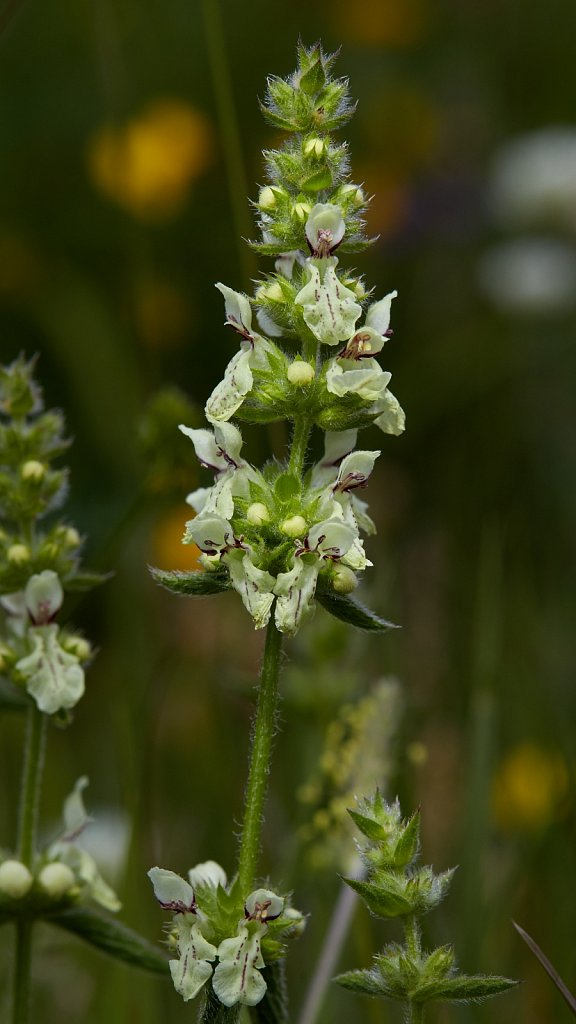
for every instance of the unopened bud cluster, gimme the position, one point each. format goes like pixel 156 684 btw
pixel 395 886
pixel 39 555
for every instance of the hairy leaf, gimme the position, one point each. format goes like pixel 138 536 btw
pixel 351 611
pixel 112 937
pixel 191 584
pixel 366 982
pixel 463 988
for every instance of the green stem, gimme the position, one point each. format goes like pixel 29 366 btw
pixel 264 726
pixel 31 785
pixel 415 1013
pixel 22 971
pixel 413 936
pixel 27 831
pixel 299 445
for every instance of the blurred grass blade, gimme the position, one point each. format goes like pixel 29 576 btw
pixel 112 937
pixel 550 970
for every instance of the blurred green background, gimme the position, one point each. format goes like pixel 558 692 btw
pixel 130 139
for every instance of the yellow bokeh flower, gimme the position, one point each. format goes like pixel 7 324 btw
pixel 530 788
pixel 148 164
pixel 168 551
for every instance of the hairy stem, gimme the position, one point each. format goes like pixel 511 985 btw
pixel 299 445
pixel 264 725
pixel 27 829
pixel 31 785
pixel 415 1013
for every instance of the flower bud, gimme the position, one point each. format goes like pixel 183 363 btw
pixel 6 657
pixel 267 198
pixel 301 211
pixel 56 879
pixel 314 147
pixel 70 537
pixel 300 373
pixel 18 554
pixel 344 580
pixel 78 646
pixel 33 471
pixel 43 597
pixel 270 293
pixel 294 526
pixel 15 879
pixel 258 514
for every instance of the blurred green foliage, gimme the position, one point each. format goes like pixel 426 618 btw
pixel 108 254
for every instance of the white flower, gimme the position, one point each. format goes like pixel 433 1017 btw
pixel 218 449
pixel 263 905
pixel 295 595
pixel 355 371
pixel 337 444
pixel 172 891
pixel 255 586
pixel 330 309
pixel 208 872
pixel 229 394
pixel 324 229
pixel 52 676
pixel 43 596
pixel 238 310
pixel 237 977
pixel 195 955
pixel 66 851
pixel 354 471
pixel 211 532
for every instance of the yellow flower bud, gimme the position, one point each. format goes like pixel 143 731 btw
pixel 56 879
pixel 71 537
pixel 15 879
pixel 258 514
pixel 294 526
pixel 314 147
pixel 344 580
pixel 300 373
pixel 18 554
pixel 267 198
pixel 33 470
pixel 5 657
pixel 78 646
pixel 270 293
pixel 301 211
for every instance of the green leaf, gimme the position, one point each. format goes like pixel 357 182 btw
pixel 81 581
pixel 408 843
pixel 368 826
pixel 348 610
pixel 112 937
pixel 463 988
pixel 369 983
pixel 317 181
pixel 191 584
pixel 383 900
